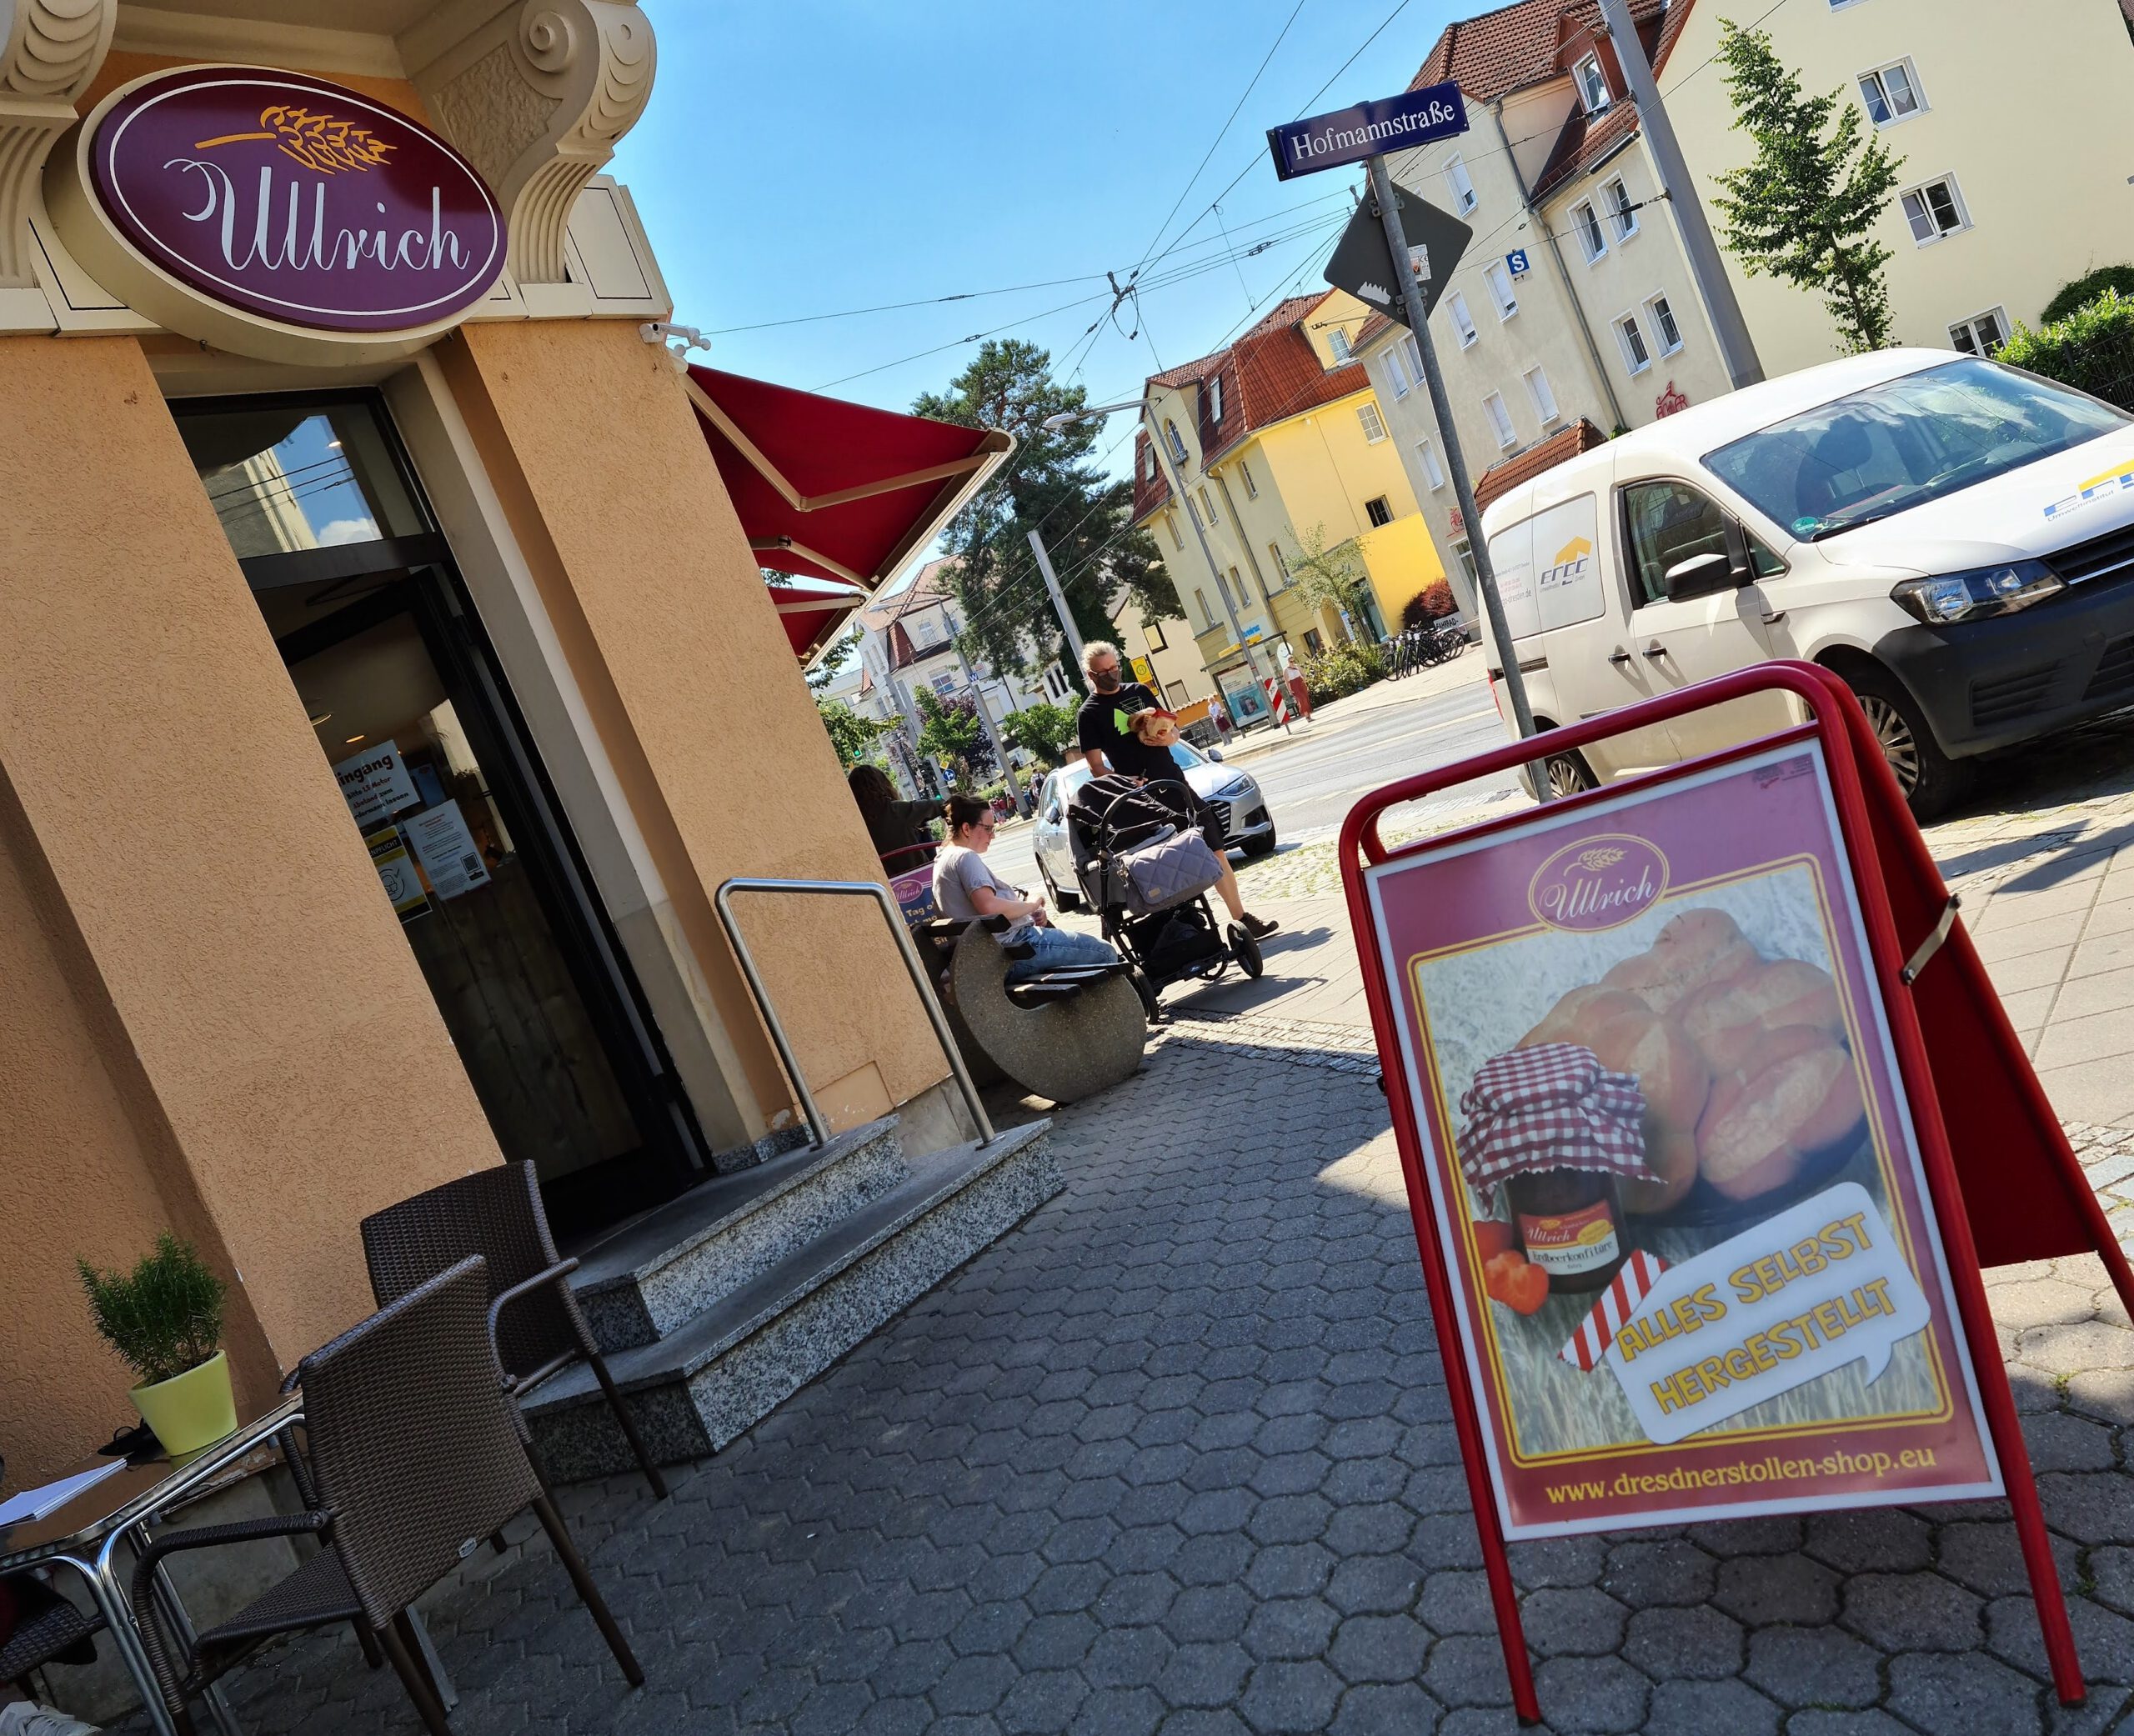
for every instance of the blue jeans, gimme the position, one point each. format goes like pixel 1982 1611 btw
pixel 1056 947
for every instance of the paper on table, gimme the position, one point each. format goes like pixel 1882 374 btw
pixel 37 1503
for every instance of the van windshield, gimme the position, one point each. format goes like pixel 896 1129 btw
pixel 1910 440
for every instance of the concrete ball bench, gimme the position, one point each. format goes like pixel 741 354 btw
pixel 1064 1035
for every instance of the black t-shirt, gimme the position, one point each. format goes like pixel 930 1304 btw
pixel 1101 724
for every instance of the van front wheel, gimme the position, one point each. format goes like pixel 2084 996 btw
pixel 1929 779
pixel 1568 774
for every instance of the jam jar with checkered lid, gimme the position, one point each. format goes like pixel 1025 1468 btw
pixel 1569 1223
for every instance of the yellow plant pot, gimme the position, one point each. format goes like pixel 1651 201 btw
pixel 192 1410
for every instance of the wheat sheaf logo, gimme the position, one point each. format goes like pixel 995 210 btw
pixel 1607 857
pixel 321 141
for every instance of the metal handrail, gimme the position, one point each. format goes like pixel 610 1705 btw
pixel 723 902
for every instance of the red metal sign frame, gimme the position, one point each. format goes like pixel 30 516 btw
pixel 2010 1181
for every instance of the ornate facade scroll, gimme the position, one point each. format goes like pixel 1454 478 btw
pixel 49 51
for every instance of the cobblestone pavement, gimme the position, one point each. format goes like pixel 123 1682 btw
pixel 1176 1456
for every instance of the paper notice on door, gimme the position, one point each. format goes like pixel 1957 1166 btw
pixel 375 783
pixel 396 870
pixel 447 850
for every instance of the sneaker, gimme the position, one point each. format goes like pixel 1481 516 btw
pixel 25 1718
pixel 1259 927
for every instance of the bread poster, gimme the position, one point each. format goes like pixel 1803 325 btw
pixel 1666 1155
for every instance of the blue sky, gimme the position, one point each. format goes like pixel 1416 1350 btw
pixel 811 156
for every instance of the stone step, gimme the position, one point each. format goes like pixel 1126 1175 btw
pixel 652 1276
pixel 697 1388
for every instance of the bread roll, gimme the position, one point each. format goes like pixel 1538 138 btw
pixel 1724 1019
pixel 1795 1094
pixel 1579 1014
pixel 1698 947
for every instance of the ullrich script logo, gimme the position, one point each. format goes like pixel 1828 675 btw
pixel 1598 882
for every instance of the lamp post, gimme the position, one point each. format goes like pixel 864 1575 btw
pixel 1177 486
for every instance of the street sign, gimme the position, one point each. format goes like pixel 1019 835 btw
pixel 1363 264
pixel 1689 1263
pixel 1349 135
pixel 1516 261
pixel 1144 672
pixel 1254 634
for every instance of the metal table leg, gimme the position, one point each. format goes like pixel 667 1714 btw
pixel 110 1599
pixel 446 1692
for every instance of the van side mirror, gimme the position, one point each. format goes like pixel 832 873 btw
pixel 1700 575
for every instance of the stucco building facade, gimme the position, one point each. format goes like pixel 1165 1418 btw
pixel 267 586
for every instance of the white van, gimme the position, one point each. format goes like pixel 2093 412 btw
pixel 1954 537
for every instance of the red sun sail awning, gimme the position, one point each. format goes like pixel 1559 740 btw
pixel 840 495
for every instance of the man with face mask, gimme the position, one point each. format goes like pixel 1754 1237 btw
pixel 1104 728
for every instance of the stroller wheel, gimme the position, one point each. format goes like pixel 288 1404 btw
pixel 1244 949
pixel 1149 1004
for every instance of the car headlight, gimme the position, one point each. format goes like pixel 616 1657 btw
pixel 1971 596
pixel 1238 786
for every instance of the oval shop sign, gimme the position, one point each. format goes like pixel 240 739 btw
pixel 1598 882
pixel 278 196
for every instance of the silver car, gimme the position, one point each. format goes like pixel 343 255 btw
pixel 1234 797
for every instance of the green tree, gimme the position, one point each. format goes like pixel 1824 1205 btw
pixel 852 735
pixel 1333 577
pixel 949 730
pixel 1044 729
pixel 1052 482
pixel 1805 208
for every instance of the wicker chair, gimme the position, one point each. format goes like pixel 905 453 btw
pixel 534 1320
pixel 49 1629
pixel 414 1454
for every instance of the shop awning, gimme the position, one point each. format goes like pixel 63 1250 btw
pixel 838 493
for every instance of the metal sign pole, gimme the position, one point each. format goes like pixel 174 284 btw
pixel 1485 577
pixel 1058 599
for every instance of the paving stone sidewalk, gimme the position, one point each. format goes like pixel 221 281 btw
pixel 1175 1456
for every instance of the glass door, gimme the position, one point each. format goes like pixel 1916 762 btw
pixel 442 783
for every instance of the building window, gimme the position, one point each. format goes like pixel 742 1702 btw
pixel 1433 472
pixel 1235 589
pixel 1177 537
pixel 1415 357
pixel 1374 424
pixel 1208 507
pixel 1377 510
pixel 1174 691
pixel 1463 189
pixel 1245 474
pixel 944 684
pixel 1586 221
pixel 1463 552
pixel 1154 630
pixel 1622 210
pixel 1396 371
pixel 1500 417
pixel 1149 461
pixel 1500 290
pixel 1663 322
pixel 1545 400
pixel 1215 398
pixel 1281 564
pixel 1176 440
pixel 1592 83
pixel 1314 641
pixel 1337 341
pixel 1982 334
pixel 1891 93
pixel 1462 322
pixel 1934 210
pixel 1636 356
pixel 1200 601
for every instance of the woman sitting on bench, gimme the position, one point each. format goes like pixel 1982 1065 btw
pixel 966 888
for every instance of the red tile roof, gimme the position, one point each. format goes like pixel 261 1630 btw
pixel 1267 376
pixel 1500 479
pixel 1519 45
pixel 930 586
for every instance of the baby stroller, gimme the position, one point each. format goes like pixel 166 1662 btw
pixel 1145 868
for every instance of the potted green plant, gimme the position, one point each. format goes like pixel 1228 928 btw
pixel 165 1319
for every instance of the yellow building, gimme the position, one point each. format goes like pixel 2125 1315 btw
pixel 1281 448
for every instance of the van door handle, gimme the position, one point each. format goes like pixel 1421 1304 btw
pixel 1656 651
pixel 1619 656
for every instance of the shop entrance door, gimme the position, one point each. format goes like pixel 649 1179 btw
pixel 442 784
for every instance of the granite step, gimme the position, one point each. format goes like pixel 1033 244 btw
pixel 698 1388
pixel 653 1275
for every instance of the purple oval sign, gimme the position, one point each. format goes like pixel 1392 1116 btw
pixel 1598 882
pixel 297 199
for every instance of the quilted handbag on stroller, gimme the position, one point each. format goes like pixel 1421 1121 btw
pixel 1164 872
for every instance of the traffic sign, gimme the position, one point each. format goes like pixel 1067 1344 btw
pixel 1349 135
pixel 1363 264
pixel 1516 260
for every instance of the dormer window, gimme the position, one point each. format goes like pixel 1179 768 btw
pixel 1215 398
pixel 1176 440
pixel 1337 341
pixel 1592 83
